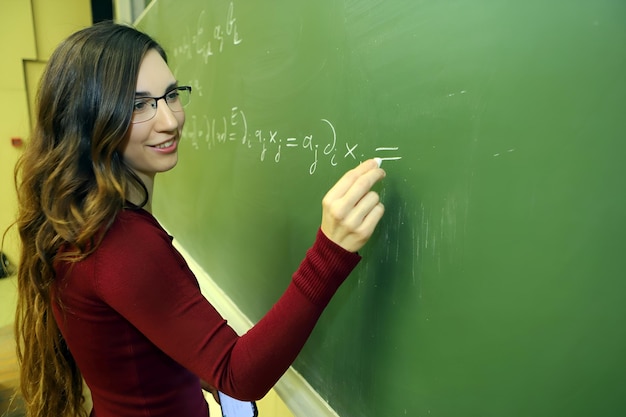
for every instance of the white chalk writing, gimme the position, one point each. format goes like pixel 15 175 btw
pixel 209 40
pixel 208 133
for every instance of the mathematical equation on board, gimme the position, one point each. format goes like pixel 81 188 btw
pixel 210 133
pixel 208 40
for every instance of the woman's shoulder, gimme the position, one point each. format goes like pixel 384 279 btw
pixel 134 250
pixel 137 218
pixel 133 227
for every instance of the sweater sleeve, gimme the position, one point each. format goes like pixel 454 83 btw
pixel 146 281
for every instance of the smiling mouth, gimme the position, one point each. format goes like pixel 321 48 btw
pixel 165 144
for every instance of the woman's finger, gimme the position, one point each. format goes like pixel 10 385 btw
pixel 348 179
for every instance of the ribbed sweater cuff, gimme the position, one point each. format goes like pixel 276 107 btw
pixel 325 267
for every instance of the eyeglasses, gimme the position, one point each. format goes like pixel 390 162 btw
pixel 145 108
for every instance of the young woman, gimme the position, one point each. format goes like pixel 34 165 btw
pixel 103 295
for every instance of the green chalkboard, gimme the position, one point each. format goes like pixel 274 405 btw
pixel 496 282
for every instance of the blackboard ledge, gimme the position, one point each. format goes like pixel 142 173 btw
pixel 292 388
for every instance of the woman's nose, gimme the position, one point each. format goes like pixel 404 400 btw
pixel 165 117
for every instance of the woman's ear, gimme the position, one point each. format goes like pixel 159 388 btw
pixel 6 267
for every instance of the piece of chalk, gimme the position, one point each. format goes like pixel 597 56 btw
pixel 379 161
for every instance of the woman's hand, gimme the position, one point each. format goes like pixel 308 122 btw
pixel 350 210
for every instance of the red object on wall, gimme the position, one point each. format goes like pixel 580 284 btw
pixel 17 142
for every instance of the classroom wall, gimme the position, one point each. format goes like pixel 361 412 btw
pixel 17 17
pixel 29 32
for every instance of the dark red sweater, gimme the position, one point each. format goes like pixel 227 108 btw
pixel 142 334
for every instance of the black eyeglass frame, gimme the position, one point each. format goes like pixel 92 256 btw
pixel 164 97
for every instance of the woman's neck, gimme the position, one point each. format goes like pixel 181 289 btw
pixel 136 196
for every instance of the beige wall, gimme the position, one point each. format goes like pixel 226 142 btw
pixel 29 32
pixel 17 43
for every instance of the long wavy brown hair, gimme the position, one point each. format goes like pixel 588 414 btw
pixel 71 183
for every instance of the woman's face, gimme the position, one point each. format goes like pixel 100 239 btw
pixel 152 146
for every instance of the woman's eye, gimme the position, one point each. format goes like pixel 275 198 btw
pixel 172 96
pixel 140 105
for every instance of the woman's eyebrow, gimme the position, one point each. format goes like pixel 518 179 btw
pixel 147 94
